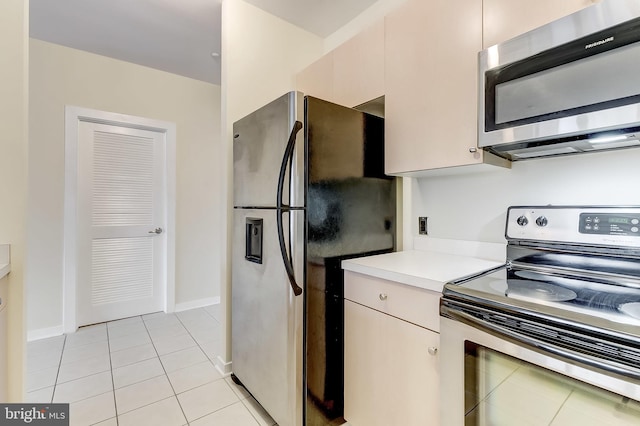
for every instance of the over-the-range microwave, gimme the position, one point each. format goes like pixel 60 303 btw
pixel 570 86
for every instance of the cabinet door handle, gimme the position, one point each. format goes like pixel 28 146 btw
pixel 383 296
pixel 473 149
pixel 432 350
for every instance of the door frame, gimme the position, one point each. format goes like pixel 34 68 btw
pixel 73 116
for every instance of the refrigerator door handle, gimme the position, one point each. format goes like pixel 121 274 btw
pixel 285 257
pixel 288 153
pixel 282 209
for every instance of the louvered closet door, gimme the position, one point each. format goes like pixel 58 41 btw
pixel 121 204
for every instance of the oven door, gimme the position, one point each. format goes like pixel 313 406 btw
pixel 491 380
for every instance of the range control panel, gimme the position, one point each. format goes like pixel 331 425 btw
pixel 590 225
pixel 610 224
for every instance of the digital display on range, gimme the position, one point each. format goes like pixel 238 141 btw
pixel 624 220
pixel 610 224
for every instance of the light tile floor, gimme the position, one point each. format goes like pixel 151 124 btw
pixel 152 370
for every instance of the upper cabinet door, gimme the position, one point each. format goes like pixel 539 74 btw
pixel 317 79
pixel 351 74
pixel 358 67
pixel 431 51
pixel 505 19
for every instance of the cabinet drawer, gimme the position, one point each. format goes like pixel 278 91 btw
pixel 413 304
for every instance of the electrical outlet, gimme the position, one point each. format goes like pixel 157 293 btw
pixel 422 225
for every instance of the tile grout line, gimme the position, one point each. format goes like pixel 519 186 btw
pixel 561 406
pixel 60 366
pixel 205 354
pixel 113 384
pixel 55 383
pixel 188 332
pixel 209 360
pixel 164 369
pixel 240 400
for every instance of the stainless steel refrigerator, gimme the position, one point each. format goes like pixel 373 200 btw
pixel 309 191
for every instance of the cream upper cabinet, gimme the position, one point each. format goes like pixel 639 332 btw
pixel 352 73
pixel 505 19
pixel 431 51
pixel 358 67
pixel 391 368
pixel 317 79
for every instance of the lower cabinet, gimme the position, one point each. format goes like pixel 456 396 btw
pixel 391 368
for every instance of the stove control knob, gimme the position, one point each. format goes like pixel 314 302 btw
pixel 541 221
pixel 522 221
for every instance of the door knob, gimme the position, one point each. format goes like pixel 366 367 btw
pixel 156 231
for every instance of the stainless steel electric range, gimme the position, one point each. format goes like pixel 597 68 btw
pixel 553 336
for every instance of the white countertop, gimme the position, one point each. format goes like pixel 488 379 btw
pixel 425 269
pixel 5 260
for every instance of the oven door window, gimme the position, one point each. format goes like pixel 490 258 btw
pixel 503 391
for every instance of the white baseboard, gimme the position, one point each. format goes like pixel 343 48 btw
pixel 199 303
pixel 43 333
pixel 223 367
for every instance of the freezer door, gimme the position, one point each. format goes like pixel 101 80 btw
pixel 342 143
pixel 266 315
pixel 259 144
pixel 351 204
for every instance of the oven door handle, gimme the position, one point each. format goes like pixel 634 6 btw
pixel 502 332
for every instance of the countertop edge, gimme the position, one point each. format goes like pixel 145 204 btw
pixel 413 267
pixel 412 280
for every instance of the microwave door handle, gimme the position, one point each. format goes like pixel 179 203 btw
pixel 282 209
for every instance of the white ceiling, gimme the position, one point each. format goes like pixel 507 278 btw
pixel 177 36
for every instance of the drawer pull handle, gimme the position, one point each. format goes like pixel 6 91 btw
pixel 382 296
pixel 432 350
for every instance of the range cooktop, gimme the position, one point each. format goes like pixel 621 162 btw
pixel 580 264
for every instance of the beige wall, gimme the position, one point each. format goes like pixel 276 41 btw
pixel 62 76
pixel 261 55
pixel 14 56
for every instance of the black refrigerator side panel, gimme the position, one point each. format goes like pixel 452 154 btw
pixel 351 209
pixel 351 203
pixel 373 147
